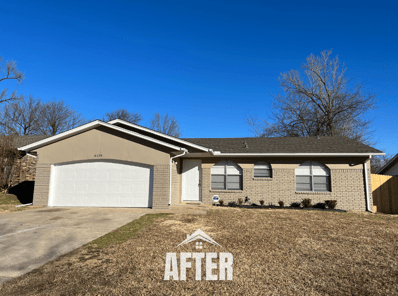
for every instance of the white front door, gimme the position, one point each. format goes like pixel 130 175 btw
pixel 191 180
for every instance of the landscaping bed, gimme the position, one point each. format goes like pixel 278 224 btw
pixel 275 252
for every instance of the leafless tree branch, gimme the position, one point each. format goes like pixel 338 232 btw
pixel 319 101
pixel 9 71
pixel 123 114
pixel 165 124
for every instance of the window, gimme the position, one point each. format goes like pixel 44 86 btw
pixel 262 169
pixel 312 176
pixel 226 175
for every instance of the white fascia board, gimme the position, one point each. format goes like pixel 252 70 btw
pixel 89 126
pixel 296 154
pixel 159 134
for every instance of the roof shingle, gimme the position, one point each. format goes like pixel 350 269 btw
pixel 285 145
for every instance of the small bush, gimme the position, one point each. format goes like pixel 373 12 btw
pixel 331 204
pixel 319 205
pixel 261 202
pixel 295 204
pixel 232 204
pixel 281 204
pixel 240 201
pixel 307 203
pixel 221 202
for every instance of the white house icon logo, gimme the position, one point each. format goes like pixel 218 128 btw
pixel 187 259
pixel 198 235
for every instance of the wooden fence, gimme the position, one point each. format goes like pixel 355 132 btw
pixel 385 193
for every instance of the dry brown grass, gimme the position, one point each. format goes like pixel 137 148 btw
pixel 276 252
pixel 8 203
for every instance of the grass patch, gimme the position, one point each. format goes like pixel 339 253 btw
pixel 8 199
pixel 126 232
pixel 276 252
pixel 8 203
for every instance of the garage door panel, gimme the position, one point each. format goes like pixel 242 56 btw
pixel 101 184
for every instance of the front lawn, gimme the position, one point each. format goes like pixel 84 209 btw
pixel 8 203
pixel 275 252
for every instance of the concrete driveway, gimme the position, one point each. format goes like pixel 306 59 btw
pixel 32 238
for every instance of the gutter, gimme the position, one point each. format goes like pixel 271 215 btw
pixel 218 153
pixel 365 167
pixel 184 151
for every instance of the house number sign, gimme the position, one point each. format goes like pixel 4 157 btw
pixel 97 155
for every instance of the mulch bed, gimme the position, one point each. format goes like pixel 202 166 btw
pixel 276 252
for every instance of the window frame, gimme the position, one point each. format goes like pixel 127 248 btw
pixel 311 176
pixel 225 176
pixel 262 162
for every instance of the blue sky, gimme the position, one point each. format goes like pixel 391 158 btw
pixel 211 64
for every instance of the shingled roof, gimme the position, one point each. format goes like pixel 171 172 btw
pixel 284 145
pixel 20 141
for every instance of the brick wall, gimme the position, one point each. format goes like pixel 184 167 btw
pixel 160 194
pixel 347 187
pixel 42 185
pixel 176 184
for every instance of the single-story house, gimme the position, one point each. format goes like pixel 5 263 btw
pixel 390 168
pixel 119 164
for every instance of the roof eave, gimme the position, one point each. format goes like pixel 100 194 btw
pixel 299 154
pixel 89 126
pixel 387 166
pixel 199 147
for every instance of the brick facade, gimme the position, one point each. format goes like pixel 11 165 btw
pixel 347 187
pixel 161 185
pixel 42 185
pixel 176 185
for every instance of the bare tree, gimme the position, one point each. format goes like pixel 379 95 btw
pixel 58 117
pixel 9 72
pixel 9 155
pixel 165 124
pixel 378 161
pixel 318 101
pixel 123 114
pixel 21 117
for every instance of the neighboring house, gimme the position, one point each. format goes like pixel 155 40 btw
pixel 25 167
pixel 119 164
pixel 390 168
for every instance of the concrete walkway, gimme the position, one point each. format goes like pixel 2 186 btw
pixel 32 238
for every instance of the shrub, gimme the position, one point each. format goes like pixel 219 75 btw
pixel 307 203
pixel 295 204
pixel 261 202
pixel 281 204
pixel 240 201
pixel 319 205
pixel 221 202
pixel 232 204
pixel 331 204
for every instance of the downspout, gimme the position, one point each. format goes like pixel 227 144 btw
pixel 184 151
pixel 367 185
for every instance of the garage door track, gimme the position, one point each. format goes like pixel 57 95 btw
pixel 32 238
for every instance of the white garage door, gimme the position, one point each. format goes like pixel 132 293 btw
pixel 100 184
